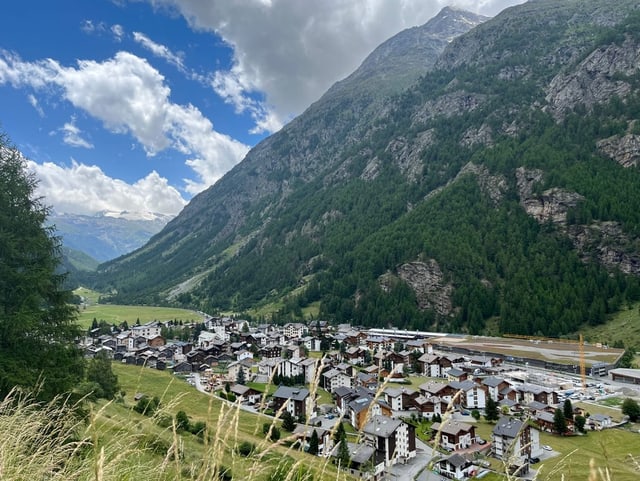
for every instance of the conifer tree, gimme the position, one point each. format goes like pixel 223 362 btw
pixel 37 320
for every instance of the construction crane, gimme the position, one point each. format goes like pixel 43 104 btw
pixel 583 368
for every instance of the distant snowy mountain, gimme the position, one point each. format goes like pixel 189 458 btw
pixel 107 235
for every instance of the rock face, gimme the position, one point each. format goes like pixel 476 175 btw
pixel 406 155
pixel 597 79
pixel 606 243
pixel 624 150
pixel 448 105
pixel 551 205
pixel 427 281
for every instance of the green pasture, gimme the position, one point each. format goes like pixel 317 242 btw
pixel 115 314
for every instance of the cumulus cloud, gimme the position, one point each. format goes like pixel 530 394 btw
pixel 72 135
pixel 130 97
pixel 291 52
pixel 84 189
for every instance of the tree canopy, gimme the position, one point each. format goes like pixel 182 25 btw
pixel 37 321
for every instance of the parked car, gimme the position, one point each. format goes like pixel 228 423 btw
pixel 546 447
pixel 534 460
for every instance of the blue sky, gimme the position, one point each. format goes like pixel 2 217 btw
pixel 139 105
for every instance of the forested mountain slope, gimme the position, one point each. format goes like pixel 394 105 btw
pixel 503 185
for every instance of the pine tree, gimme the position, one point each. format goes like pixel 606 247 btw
pixel 567 409
pixel 559 422
pixel 99 371
pixel 288 423
pixel 37 320
pixel 314 443
pixel 240 379
pixel 491 412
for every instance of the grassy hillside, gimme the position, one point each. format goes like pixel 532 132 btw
pixel 117 443
pixel 622 327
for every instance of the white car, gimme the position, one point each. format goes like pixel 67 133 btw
pixel 546 447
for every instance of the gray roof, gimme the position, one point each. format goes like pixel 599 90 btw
pixel 537 406
pixel 451 427
pixel 358 453
pixel 492 381
pixel 463 385
pixel 457 460
pixel 381 426
pixel 454 371
pixel 295 393
pixel 507 427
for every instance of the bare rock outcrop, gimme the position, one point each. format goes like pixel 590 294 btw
pixel 427 281
pixel 597 79
pixel 608 244
pixel 550 205
pixel 448 105
pixel 624 150
pixel 474 136
pixel 406 153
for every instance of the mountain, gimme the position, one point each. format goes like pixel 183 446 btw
pixel 493 187
pixel 106 235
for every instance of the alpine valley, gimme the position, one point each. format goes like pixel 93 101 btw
pixel 473 175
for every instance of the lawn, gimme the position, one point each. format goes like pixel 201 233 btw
pixel 609 449
pixel 116 314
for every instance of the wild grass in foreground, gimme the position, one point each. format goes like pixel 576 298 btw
pixel 112 442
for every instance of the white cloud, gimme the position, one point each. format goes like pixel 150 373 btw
pixel 160 50
pixel 129 96
pixel 72 135
pixel 292 51
pixel 84 189
pixel 34 103
pixel 118 32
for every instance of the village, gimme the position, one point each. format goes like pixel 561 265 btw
pixel 384 385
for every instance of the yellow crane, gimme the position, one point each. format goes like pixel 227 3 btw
pixel 583 368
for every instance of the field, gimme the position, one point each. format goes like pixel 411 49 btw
pixel 623 326
pixel 115 314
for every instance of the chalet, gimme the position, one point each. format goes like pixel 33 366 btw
pixel 515 442
pixel 430 406
pixel 335 378
pixel 248 394
pixel 400 398
pixel 472 395
pixel 354 355
pixel 296 400
pixel 494 385
pixel 544 420
pixel 456 374
pixel 378 343
pixel 270 351
pixel 455 467
pixel 533 392
pixel 444 391
pixel 364 461
pixel 303 432
pixel 308 367
pixel 393 439
pixel 433 365
pixel 454 435
pixel 369 381
pixel 599 422
pixel 182 367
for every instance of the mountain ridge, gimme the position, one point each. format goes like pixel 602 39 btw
pixel 467 197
